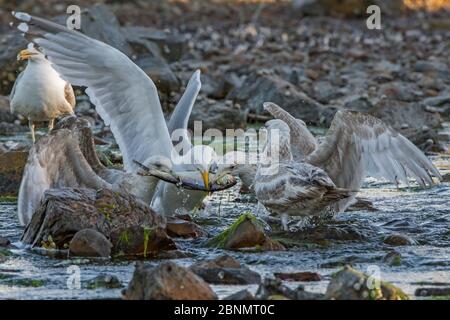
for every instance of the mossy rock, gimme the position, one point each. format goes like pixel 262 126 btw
pixel 8 199
pixel 350 284
pixel 25 282
pixel 246 232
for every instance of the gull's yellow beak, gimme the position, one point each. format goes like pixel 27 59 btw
pixel 24 55
pixel 205 176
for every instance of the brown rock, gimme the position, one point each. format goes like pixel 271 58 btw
pixel 272 245
pixel 350 284
pixel 89 243
pixel 398 240
pixel 225 270
pixel 427 292
pixel 140 241
pixel 161 74
pixel 299 276
pixel 63 212
pixel 167 281
pixel 259 89
pixel 245 232
pixel 4 242
pixel 12 164
pixel 185 229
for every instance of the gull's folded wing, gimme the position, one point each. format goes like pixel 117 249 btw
pixel 302 141
pixel 358 144
pixel 124 96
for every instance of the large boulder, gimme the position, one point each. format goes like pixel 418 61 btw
pixel 258 89
pixel 132 226
pixel 217 115
pixel 167 281
pixel 161 74
pixel 350 284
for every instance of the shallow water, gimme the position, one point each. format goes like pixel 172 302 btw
pixel 423 215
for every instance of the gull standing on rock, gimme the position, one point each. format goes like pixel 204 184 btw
pixel 306 179
pixel 39 93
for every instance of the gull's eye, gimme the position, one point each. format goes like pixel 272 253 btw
pixel 213 168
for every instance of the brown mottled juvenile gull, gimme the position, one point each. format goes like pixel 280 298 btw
pixel 326 179
pixel 39 92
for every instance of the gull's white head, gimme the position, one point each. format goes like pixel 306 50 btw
pixel 31 54
pixel 199 163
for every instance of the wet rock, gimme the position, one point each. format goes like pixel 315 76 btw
pixel 259 89
pixel 246 232
pixel 399 240
pixel 350 284
pixel 140 241
pixel 217 115
pixel 299 276
pixel 104 281
pixel 89 243
pixel 185 229
pixel 272 288
pixel 225 270
pixel 428 292
pixel 321 234
pixel 362 204
pixel 241 295
pixel 393 258
pixel 446 177
pixel 4 242
pixel 167 281
pixel 161 74
pixel 12 163
pixel 120 217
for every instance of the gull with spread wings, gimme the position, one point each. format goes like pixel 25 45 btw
pixel 127 100
pixel 307 178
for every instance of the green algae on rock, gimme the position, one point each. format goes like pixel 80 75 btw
pixel 350 284
pixel 246 232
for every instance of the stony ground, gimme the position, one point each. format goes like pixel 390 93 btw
pixel 312 65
